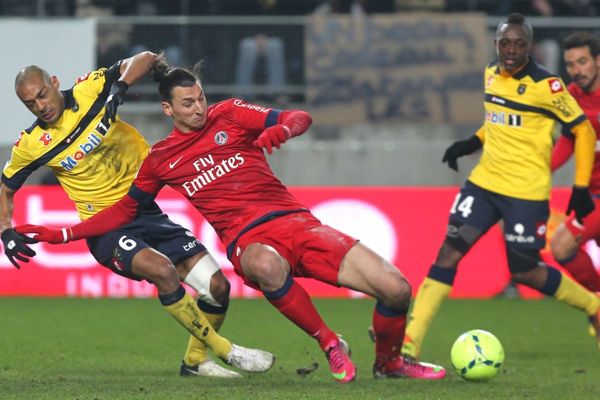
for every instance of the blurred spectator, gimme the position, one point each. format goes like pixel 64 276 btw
pixel 272 52
pixel 260 53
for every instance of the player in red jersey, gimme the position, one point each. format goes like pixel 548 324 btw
pixel 214 157
pixel 582 59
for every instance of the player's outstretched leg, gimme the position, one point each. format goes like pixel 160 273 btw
pixel 294 303
pixel 185 310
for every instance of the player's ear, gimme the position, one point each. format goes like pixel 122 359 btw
pixel 167 110
pixel 55 82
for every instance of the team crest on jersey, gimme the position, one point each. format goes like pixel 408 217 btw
pixel 521 89
pixel 555 85
pixel 221 137
pixel 45 138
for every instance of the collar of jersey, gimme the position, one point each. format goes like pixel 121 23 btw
pixel 522 73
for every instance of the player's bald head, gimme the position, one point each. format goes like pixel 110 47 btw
pixel 29 72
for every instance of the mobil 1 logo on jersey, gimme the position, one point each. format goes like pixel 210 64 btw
pixel 502 118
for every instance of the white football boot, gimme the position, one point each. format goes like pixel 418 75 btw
pixel 250 360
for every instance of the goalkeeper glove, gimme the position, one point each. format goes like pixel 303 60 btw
pixel 273 136
pixel 114 100
pixel 581 202
pixel 461 148
pixel 43 234
pixel 15 246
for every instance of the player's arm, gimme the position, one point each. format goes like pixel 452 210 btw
pixel 562 151
pixel 585 139
pixel 15 244
pixel 288 124
pixel 130 70
pixel 120 213
pixel 134 68
pixel 142 192
pixel 585 143
pixel 463 147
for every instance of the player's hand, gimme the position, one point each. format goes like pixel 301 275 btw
pixel 114 100
pixel 273 136
pixel 43 234
pixel 461 148
pixel 15 246
pixel 581 202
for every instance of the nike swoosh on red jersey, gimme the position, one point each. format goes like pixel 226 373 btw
pixel 174 163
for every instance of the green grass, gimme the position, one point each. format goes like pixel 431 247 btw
pixel 130 349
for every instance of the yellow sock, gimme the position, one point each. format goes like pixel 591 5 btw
pixel 187 313
pixel 197 351
pixel 575 295
pixel 430 297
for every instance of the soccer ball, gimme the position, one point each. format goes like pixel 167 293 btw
pixel 477 355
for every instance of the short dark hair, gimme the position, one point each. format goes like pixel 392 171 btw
pixel 169 77
pixel 516 19
pixel 582 39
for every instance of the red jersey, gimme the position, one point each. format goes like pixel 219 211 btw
pixel 590 103
pixel 219 171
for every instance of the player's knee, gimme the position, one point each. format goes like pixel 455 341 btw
pixel 448 256
pixel 397 293
pixel 220 287
pixel 459 239
pixel 263 264
pixel 522 261
pixel 164 276
pixel 563 245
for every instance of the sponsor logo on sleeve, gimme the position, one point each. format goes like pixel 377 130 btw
pixel 555 85
pixel 240 103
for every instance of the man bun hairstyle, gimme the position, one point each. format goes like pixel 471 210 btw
pixel 169 77
pixel 582 39
pixel 515 19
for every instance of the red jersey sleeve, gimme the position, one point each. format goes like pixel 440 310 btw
pixel 120 213
pixel 562 152
pixel 142 191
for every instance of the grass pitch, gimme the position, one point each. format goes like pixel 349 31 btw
pixel 130 349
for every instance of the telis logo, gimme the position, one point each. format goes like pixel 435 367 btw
pixel 93 141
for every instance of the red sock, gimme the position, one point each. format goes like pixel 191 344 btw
pixel 583 271
pixel 389 330
pixel 292 301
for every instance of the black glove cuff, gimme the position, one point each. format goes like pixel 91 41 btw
pixel 119 87
pixel 8 234
pixel 472 144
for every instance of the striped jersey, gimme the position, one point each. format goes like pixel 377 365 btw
pixel 520 116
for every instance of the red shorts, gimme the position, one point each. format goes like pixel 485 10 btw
pixel 591 223
pixel 312 249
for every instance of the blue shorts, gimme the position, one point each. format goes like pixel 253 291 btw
pixel 524 220
pixel 115 250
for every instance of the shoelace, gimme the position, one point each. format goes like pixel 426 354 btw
pixel 336 355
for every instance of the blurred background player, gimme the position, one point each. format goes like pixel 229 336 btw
pixel 95 156
pixel 512 180
pixel 582 61
pixel 214 157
